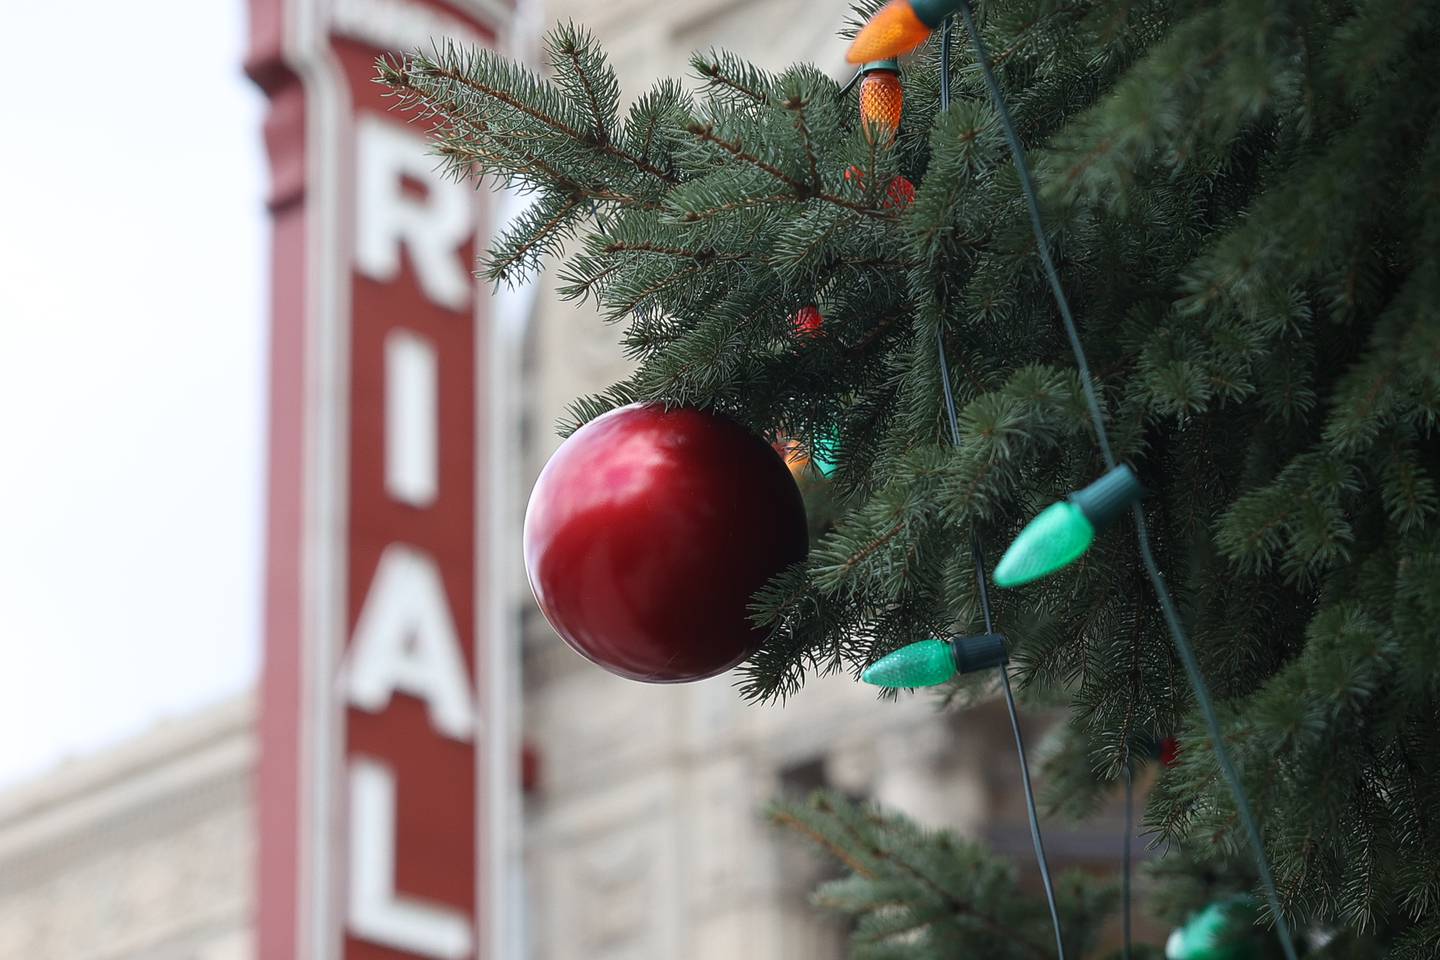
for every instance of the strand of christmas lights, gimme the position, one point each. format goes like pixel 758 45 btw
pixel 978 560
pixel 1162 592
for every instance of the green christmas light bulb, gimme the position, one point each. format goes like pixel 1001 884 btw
pixel 1063 531
pixel 1059 535
pixel 922 664
pixel 1222 931
pixel 825 452
pixel 931 662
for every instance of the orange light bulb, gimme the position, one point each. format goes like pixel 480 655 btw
pixel 894 30
pixel 882 99
pixel 795 456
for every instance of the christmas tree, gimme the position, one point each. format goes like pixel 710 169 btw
pixel 1242 200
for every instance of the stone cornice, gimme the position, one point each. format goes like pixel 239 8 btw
pixel 174 773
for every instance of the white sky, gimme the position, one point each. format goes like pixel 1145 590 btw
pixel 132 338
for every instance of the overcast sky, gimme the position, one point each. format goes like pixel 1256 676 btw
pixel 132 337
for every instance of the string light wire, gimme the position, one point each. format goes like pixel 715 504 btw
pixel 978 559
pixel 1162 593
pixel 1125 855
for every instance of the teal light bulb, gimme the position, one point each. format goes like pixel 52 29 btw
pixel 922 664
pixel 825 451
pixel 1057 536
pixel 1222 931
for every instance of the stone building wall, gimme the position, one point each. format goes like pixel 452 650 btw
pixel 144 852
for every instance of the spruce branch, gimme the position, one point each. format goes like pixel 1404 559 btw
pixel 799 190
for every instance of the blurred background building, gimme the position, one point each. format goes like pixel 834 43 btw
pixel 636 828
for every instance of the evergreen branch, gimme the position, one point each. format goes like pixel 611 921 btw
pixel 634 302
pixel 958 905
pixel 539 170
pixel 501 267
pixel 713 71
pixel 693 216
pixel 797 105
pixel 800 189
pixel 702 256
pixel 601 133
pixel 401 79
pixel 1029 26
pixel 785 819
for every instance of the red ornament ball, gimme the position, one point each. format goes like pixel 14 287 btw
pixel 1169 751
pixel 649 531
pixel 807 322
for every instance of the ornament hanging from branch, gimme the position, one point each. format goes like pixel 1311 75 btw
pixel 649 531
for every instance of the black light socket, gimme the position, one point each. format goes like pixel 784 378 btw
pixel 1109 498
pixel 980 652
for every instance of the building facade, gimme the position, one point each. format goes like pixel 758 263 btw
pixel 640 835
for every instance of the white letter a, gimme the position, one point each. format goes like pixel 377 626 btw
pixel 406 640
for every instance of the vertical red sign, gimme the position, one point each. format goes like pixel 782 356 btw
pixel 382 754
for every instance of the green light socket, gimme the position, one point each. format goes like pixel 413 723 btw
pixel 1109 498
pixel 892 65
pixel 980 652
pixel 933 12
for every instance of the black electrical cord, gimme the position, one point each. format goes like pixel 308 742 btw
pixel 1129 833
pixel 978 559
pixel 1162 593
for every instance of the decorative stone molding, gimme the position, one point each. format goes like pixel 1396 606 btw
pixel 136 852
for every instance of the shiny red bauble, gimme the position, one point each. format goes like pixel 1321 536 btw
pixel 648 533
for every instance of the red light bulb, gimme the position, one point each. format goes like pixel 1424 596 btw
pixel 807 322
